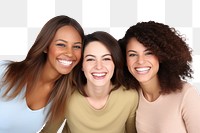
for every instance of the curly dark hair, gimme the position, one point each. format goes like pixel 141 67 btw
pixel 169 46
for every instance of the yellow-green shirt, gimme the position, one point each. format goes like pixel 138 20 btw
pixel 117 116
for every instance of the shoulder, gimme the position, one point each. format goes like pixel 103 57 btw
pixel 190 104
pixel 189 94
pixel 131 94
pixel 76 96
pixel 124 91
pixel 125 99
pixel 187 91
pixel 189 88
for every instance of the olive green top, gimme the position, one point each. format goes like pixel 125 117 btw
pixel 117 116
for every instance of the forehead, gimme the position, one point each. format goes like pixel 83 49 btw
pixel 68 32
pixel 96 48
pixel 133 43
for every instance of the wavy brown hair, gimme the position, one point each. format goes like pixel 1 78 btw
pixel 19 74
pixel 169 46
pixel 113 47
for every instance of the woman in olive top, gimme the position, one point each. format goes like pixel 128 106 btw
pixel 100 103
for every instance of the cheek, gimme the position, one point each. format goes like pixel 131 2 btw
pixel 112 68
pixel 130 65
pixel 155 63
pixel 85 66
pixel 157 66
pixel 86 70
pixel 129 62
pixel 51 53
pixel 78 55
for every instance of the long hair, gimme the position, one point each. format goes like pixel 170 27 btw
pixel 112 45
pixel 18 74
pixel 169 46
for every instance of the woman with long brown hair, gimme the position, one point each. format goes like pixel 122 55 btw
pixel 37 88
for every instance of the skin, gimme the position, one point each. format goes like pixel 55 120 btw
pixel 63 54
pixel 144 66
pixel 64 51
pixel 98 68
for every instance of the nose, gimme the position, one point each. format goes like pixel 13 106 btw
pixel 98 64
pixel 141 59
pixel 69 52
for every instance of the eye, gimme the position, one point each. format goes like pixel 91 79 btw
pixel 107 59
pixel 132 54
pixel 60 45
pixel 77 47
pixel 149 53
pixel 89 59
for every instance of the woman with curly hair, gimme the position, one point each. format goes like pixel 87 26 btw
pixel 158 63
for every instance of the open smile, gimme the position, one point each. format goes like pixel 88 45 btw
pixel 65 62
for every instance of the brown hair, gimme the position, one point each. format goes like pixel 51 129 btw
pixel 169 46
pixel 18 74
pixel 112 45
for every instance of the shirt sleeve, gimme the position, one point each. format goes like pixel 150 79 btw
pixel 130 124
pixel 191 110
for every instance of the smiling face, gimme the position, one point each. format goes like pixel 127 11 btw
pixel 141 62
pixel 98 65
pixel 64 51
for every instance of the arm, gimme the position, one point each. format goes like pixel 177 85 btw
pixel 191 110
pixel 130 123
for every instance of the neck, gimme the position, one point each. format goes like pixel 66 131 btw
pixel 45 82
pixel 151 91
pixel 98 92
pixel 48 74
pixel 97 96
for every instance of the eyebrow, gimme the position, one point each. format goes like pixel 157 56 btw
pixel 94 55
pixel 136 51
pixel 131 51
pixel 67 41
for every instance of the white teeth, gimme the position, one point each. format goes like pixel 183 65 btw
pixel 65 62
pixel 99 74
pixel 142 69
